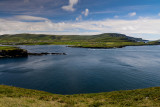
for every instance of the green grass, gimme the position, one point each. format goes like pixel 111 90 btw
pixel 107 40
pixel 19 97
pixel 7 48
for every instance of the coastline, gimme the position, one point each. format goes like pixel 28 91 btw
pixel 10 51
pixel 13 52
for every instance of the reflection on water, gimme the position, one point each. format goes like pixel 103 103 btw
pixel 83 70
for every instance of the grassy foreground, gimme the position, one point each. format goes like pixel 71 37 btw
pixel 19 97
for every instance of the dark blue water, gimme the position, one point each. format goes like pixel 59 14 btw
pixel 84 70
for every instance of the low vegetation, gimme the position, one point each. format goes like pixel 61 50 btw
pixel 19 97
pixel 107 40
pixel 7 48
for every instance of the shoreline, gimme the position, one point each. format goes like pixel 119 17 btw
pixel 10 86
pixel 112 47
pixel 81 46
pixel 10 51
pixel 15 52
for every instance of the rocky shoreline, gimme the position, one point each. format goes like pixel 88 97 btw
pixel 46 53
pixel 13 53
pixel 23 53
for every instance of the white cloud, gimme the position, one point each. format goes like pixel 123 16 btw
pixel 139 26
pixel 29 18
pixel 158 14
pixel 132 14
pixel 70 6
pixel 116 16
pixel 79 18
pixel 83 13
pixel 86 12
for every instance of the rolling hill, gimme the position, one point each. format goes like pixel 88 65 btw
pixel 106 40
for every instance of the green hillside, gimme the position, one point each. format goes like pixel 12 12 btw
pixel 107 40
pixel 19 97
pixel 53 38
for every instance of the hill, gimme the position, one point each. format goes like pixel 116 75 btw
pixel 107 37
pixel 19 97
pixel 106 40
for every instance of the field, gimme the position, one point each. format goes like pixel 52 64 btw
pixel 19 97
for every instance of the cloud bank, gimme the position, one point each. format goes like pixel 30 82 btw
pixel 42 25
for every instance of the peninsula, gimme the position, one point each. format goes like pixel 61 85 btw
pixel 12 52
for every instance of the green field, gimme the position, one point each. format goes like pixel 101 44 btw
pixel 19 97
pixel 107 40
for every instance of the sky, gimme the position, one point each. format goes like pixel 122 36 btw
pixel 137 18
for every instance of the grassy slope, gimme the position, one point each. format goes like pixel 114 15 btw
pixel 107 40
pixel 19 97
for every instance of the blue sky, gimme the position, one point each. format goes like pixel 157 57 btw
pixel 138 18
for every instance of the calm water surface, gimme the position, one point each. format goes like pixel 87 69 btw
pixel 83 70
